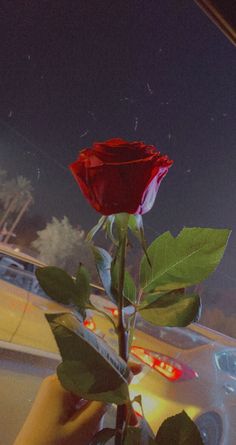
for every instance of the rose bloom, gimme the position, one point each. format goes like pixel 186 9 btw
pixel 118 176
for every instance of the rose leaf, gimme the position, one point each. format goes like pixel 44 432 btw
pixel 183 261
pixel 57 284
pixel 180 430
pixel 172 309
pixel 89 368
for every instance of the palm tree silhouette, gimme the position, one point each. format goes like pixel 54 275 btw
pixel 14 194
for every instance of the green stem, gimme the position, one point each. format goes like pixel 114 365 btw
pixel 122 332
pixel 133 319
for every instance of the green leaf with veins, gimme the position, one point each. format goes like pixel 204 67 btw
pixel 178 430
pixel 57 284
pixel 172 309
pixel 90 368
pixel 183 261
pixel 151 298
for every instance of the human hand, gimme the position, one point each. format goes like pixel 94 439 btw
pixel 55 419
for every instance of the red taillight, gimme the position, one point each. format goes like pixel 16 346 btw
pixel 166 366
pixel 89 324
pixel 114 311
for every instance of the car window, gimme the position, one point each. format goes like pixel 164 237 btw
pixel 20 273
pixel 11 271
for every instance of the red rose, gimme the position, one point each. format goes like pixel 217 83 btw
pixel 119 176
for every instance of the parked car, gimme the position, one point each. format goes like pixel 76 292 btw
pixel 23 302
pixel 192 368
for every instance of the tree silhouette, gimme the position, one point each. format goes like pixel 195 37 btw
pixel 60 244
pixel 13 195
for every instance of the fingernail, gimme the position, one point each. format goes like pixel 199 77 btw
pixel 80 403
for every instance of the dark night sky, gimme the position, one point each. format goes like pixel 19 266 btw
pixel 72 72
